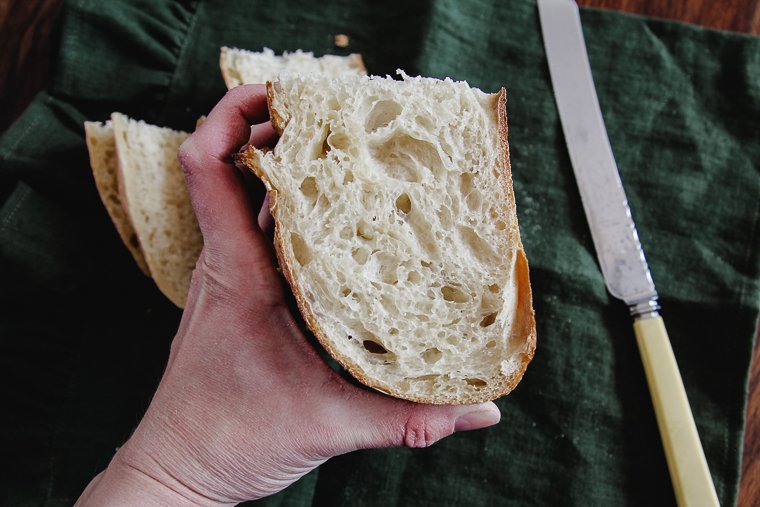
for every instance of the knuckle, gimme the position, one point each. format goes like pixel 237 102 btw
pixel 421 431
pixel 186 156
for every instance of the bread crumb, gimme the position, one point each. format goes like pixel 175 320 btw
pixel 341 40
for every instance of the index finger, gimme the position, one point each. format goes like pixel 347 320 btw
pixel 216 188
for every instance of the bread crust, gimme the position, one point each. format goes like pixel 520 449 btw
pixel 523 332
pixel 229 81
pixel 114 208
pixel 524 326
pixel 278 122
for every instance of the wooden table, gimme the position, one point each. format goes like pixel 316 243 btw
pixel 26 26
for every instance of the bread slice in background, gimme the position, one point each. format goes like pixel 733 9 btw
pixel 102 150
pixel 396 229
pixel 240 66
pixel 154 194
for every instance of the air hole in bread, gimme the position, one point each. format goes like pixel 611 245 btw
pixel 394 166
pixel 474 200
pixel 479 248
pixel 404 203
pixel 309 189
pixel 426 264
pixel 345 291
pixel 301 250
pixel 387 268
pixel 348 177
pixel 360 255
pixel 444 215
pixel 425 122
pixel 373 347
pixel 334 104
pixel 476 383
pixel 339 141
pixel 381 115
pixel 404 158
pixel 465 183
pixel 325 148
pixel 414 277
pixel 501 225
pixel 432 355
pixel 364 232
pixel 494 288
pixel 393 331
pixel 454 294
pixel 488 319
pixel 346 233
pixel 491 344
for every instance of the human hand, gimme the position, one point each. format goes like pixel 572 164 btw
pixel 246 406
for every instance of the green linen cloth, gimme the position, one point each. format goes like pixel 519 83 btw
pixel 84 336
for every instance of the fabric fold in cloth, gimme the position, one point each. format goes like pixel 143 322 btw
pixel 84 336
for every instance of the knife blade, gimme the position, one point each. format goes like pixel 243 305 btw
pixel 621 257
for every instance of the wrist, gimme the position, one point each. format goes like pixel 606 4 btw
pixel 125 484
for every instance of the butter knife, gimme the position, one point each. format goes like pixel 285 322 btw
pixel 624 267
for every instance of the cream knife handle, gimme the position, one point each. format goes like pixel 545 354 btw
pixel 691 478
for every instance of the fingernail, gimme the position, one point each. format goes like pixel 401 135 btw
pixel 476 418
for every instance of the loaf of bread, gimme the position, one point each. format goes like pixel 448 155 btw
pixel 396 229
pixel 240 66
pixel 153 192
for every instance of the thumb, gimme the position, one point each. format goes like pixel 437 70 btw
pixel 381 421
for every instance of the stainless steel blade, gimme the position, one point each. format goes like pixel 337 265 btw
pixel 613 231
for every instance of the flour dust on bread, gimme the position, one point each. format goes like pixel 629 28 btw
pixel 396 229
pixel 102 150
pixel 240 66
pixel 155 196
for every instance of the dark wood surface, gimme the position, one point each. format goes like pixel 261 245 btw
pixel 25 33
pixel 733 15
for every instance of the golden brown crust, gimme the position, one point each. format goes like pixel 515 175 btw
pixel 523 332
pixel 278 122
pixel 524 326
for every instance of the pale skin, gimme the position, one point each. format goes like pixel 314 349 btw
pixel 246 406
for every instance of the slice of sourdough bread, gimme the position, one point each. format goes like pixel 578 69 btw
pixel 102 149
pixel 240 66
pixel 396 229
pixel 153 191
